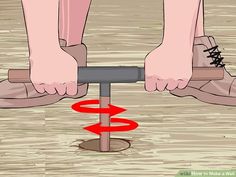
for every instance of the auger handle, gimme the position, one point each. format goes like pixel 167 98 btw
pixel 129 74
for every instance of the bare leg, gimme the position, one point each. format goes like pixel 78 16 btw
pixel 200 21
pixel 72 20
pixel 176 32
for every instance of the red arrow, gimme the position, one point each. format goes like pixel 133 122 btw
pixel 112 110
pixel 97 128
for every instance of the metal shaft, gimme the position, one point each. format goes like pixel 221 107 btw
pixel 105 100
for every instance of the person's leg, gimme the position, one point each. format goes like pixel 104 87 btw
pixel 47 61
pixel 72 20
pixel 207 54
pixel 200 21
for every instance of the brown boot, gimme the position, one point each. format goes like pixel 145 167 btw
pixel 221 92
pixel 23 95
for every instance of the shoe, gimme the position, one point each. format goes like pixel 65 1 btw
pixel 220 92
pixel 24 95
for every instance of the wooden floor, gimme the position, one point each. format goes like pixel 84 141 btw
pixel 174 133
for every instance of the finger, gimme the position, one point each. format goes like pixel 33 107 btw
pixel 150 83
pixel 61 89
pixel 172 84
pixel 182 84
pixel 50 89
pixel 71 88
pixel 161 85
pixel 39 88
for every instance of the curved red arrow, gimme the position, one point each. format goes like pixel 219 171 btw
pixel 112 110
pixel 97 128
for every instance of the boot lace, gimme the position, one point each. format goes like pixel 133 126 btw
pixel 215 54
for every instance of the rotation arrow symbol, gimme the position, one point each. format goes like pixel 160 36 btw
pixel 97 128
pixel 111 110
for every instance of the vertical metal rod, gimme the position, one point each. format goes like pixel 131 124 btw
pixel 105 100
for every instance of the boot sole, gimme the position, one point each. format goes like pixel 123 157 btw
pixel 205 97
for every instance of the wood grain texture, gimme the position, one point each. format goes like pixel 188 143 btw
pixel 174 133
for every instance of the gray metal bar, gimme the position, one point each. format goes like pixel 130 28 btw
pixel 130 74
pixel 105 100
pixel 105 89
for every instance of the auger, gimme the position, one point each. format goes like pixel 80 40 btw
pixel 105 76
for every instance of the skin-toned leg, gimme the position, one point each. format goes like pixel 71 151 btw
pixel 170 65
pixel 200 21
pixel 72 19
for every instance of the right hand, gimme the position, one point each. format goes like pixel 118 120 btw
pixel 167 68
pixel 54 71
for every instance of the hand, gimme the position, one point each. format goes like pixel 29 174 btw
pixel 167 68
pixel 54 71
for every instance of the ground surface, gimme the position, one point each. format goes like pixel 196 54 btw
pixel 173 134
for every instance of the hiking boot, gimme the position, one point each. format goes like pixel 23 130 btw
pixel 220 92
pixel 23 95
